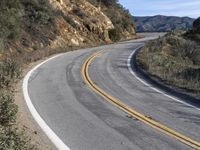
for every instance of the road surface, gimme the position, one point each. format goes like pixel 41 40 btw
pixel 84 120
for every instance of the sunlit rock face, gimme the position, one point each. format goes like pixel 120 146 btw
pixel 64 23
pixel 89 21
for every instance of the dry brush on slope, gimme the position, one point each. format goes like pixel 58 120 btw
pixel 175 60
pixel 29 25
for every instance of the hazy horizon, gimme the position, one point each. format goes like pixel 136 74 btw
pixel 179 8
pixel 163 15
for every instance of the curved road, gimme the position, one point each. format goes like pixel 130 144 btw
pixel 84 120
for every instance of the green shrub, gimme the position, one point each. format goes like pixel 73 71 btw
pixel 190 73
pixel 5 4
pixel 9 72
pixel 12 139
pixel 43 17
pixel 8 109
pixel 114 35
pixel 194 34
pixel 189 49
pixel 37 11
pixel 1 45
pixel 9 20
pixel 196 25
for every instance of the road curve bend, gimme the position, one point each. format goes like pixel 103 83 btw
pixel 61 96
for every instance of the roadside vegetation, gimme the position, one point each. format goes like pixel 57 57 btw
pixel 27 28
pixel 194 34
pixel 10 136
pixel 175 59
pixel 9 21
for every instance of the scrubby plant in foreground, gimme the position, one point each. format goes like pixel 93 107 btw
pixel 12 139
pixel 10 71
pixel 10 136
pixel 8 109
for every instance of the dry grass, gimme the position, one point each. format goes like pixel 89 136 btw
pixel 174 60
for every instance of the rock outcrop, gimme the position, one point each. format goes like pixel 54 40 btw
pixel 87 19
pixel 65 23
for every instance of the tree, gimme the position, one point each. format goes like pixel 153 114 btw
pixel 196 25
pixel 107 2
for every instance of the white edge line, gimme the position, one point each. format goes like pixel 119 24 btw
pixel 46 129
pixel 150 86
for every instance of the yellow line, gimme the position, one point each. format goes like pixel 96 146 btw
pixel 162 128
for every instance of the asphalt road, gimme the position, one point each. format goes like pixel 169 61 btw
pixel 83 120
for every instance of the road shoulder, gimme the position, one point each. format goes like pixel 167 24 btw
pixel 25 121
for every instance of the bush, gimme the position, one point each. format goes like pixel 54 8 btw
pixel 1 45
pixel 196 25
pixel 108 3
pixel 9 72
pixel 10 136
pixel 43 17
pixel 194 34
pixel 10 20
pixel 190 73
pixel 189 49
pixel 12 139
pixel 8 109
pixel 37 12
pixel 114 35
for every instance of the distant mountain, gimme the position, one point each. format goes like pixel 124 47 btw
pixel 161 23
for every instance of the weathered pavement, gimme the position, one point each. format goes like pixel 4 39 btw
pixel 83 120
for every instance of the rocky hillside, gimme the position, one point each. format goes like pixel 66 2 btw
pixel 29 25
pixel 120 17
pixel 162 23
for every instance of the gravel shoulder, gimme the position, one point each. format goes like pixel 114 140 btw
pixel 25 121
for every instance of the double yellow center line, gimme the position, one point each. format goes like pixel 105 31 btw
pixel 162 128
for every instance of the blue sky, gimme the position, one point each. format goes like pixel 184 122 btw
pixel 189 8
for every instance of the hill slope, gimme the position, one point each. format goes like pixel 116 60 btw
pixel 175 59
pixel 162 23
pixel 36 24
